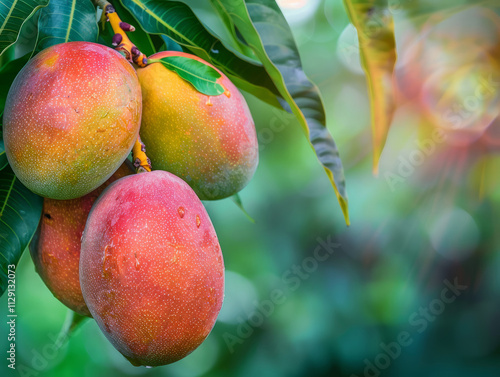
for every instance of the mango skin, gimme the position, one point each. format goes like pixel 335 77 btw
pixel 151 268
pixel 210 142
pixel 71 118
pixel 55 247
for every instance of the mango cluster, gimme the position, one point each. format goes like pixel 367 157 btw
pixel 136 252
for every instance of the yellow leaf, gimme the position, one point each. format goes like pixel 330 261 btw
pixel 373 21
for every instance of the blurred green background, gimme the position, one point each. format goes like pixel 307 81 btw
pixel 377 299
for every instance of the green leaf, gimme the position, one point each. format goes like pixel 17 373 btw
pixel 201 76
pixel 8 55
pixel 20 212
pixel 237 200
pixel 8 73
pixel 373 21
pixel 232 36
pixel 3 157
pixel 170 44
pixel 66 21
pixel 13 13
pixel 177 21
pixel 266 31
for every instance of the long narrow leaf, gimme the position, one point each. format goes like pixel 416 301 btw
pixel 7 75
pixel 377 45
pixel 20 212
pixel 266 31
pixel 3 157
pixel 13 13
pixel 66 21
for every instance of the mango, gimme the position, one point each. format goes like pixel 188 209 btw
pixel 208 141
pixel 71 118
pixel 151 268
pixel 55 247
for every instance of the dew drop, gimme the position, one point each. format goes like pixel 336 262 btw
pixel 137 264
pixel 181 212
pixel 227 93
pixel 198 221
pixel 109 264
pixel 209 103
pixel 48 258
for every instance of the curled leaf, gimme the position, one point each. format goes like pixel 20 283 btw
pixel 269 36
pixel 373 21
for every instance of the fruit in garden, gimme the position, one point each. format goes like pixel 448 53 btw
pixel 55 248
pixel 209 141
pixel 151 268
pixel 71 118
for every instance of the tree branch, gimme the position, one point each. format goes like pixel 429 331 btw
pixel 120 39
pixel 141 162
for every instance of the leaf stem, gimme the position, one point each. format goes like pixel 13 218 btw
pixel 71 322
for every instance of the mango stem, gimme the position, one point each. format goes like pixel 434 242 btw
pixel 141 162
pixel 120 39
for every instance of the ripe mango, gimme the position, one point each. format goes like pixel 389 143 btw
pixel 55 247
pixel 71 118
pixel 209 141
pixel 151 268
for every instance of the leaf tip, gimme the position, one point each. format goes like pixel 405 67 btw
pixel 345 209
pixel 377 152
